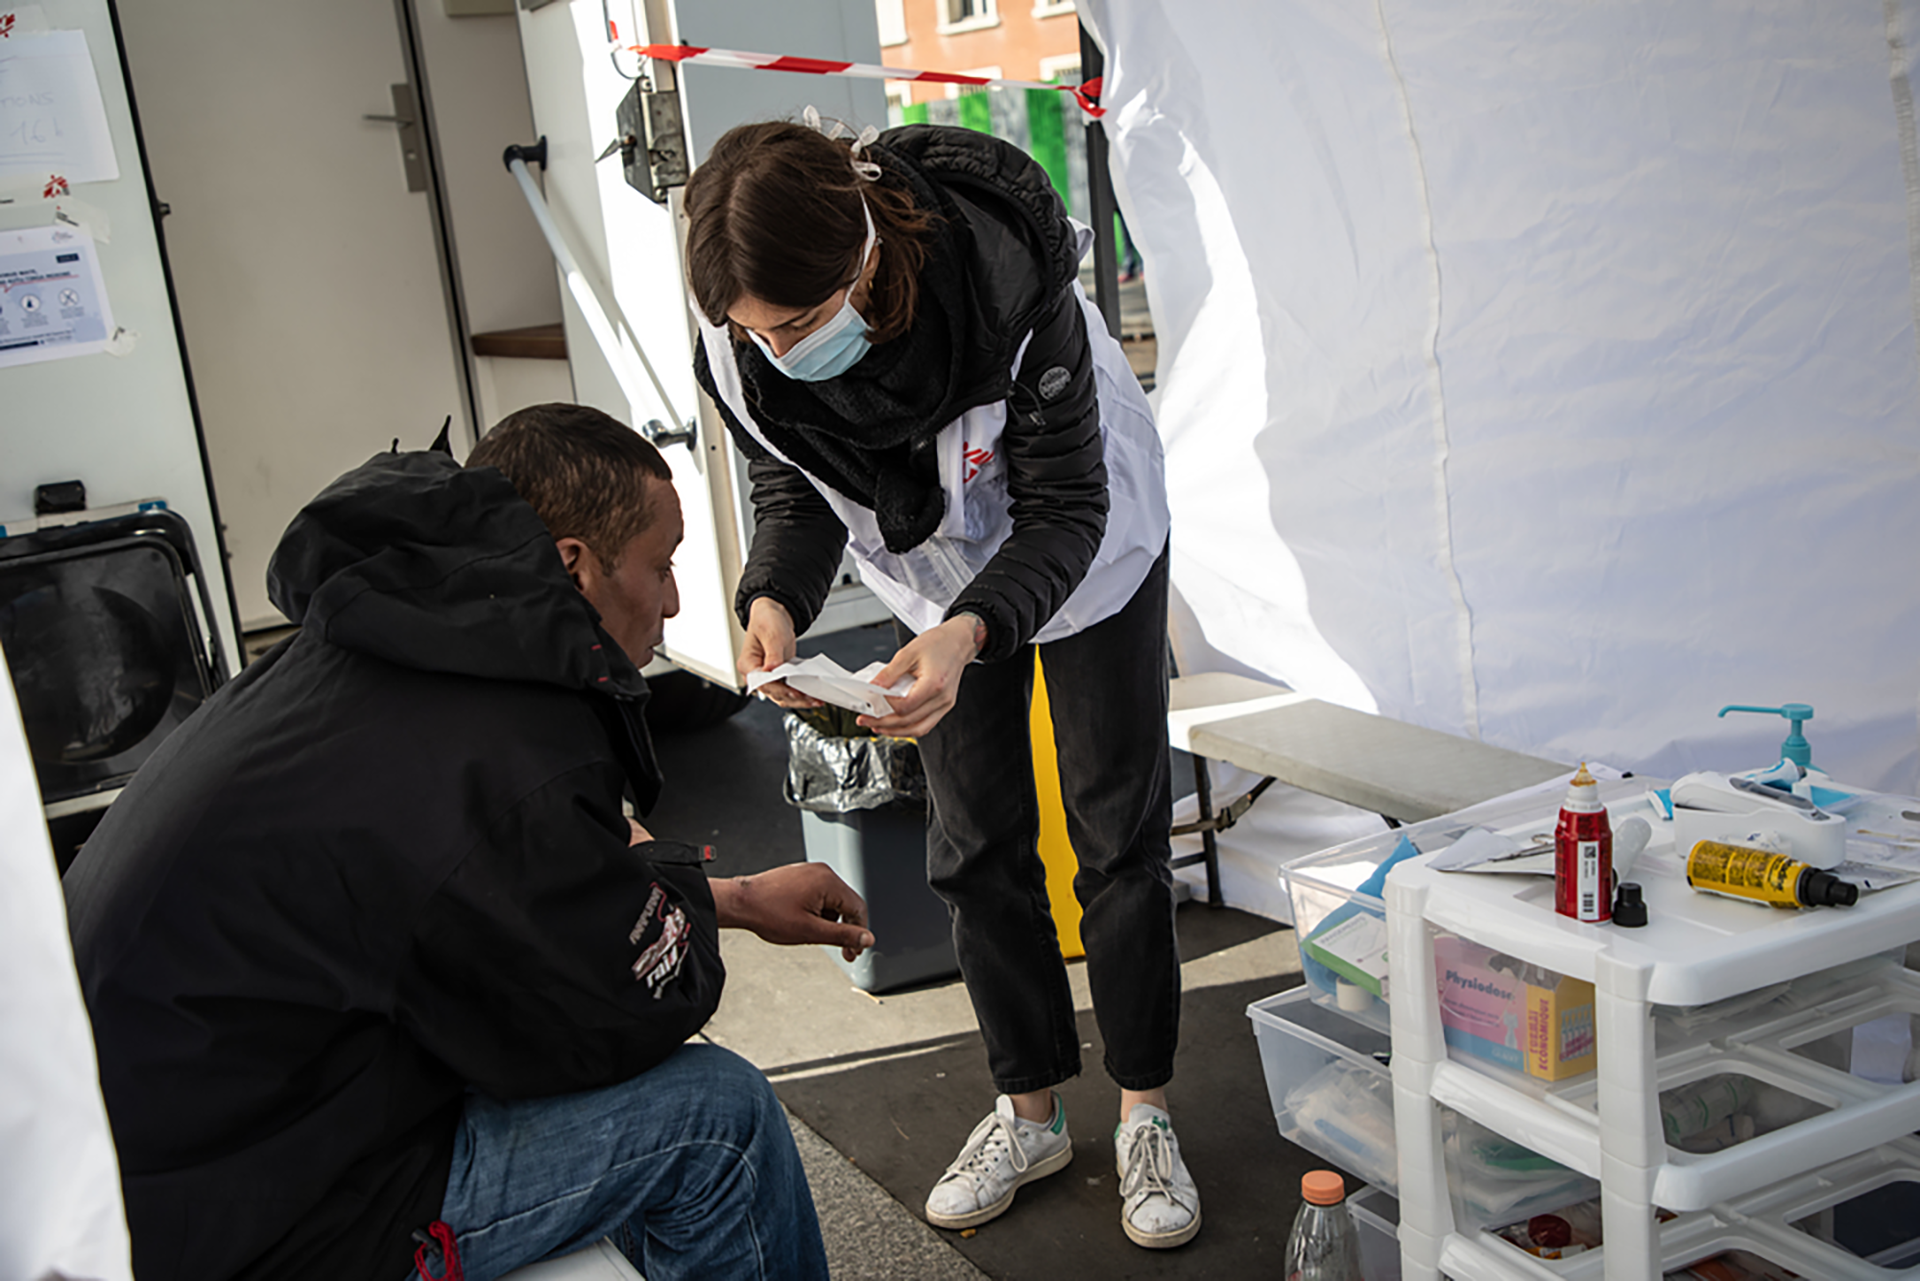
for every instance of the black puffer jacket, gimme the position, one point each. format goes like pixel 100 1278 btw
pixel 387 863
pixel 1019 262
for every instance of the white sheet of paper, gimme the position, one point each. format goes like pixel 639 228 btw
pixel 53 123
pixel 822 678
pixel 52 303
pixel 1474 848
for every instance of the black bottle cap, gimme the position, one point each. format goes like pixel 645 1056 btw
pixel 1629 909
pixel 1824 889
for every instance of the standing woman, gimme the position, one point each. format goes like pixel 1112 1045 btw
pixel 894 330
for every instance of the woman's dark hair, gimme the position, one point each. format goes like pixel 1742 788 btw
pixel 583 473
pixel 774 214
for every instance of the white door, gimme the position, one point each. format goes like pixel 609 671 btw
pixel 628 251
pixel 316 323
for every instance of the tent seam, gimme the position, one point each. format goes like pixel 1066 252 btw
pixel 1909 154
pixel 1443 508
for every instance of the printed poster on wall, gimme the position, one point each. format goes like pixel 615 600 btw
pixel 52 303
pixel 53 123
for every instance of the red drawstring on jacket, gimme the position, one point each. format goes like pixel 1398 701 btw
pixel 447 1250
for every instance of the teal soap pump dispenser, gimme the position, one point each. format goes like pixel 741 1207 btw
pixel 1796 747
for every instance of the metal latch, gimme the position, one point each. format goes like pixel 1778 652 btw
pixel 652 141
pixel 406 116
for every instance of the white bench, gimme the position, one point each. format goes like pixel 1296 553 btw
pixel 598 1262
pixel 1402 772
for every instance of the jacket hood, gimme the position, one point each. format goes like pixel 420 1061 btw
pixel 416 560
pixel 1023 249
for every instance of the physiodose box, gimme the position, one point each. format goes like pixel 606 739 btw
pixel 1517 1015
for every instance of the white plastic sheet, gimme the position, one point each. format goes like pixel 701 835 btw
pixel 1540 371
pixel 60 1215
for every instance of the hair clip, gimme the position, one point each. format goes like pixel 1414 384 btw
pixel 865 168
pixel 839 128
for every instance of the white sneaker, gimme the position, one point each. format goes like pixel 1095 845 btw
pixel 1003 1153
pixel 1160 1205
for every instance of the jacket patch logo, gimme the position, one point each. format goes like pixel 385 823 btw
pixel 1054 381
pixel 976 459
pixel 660 961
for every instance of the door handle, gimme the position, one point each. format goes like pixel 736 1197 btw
pixel 660 436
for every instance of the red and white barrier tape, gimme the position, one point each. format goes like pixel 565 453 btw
pixel 1087 95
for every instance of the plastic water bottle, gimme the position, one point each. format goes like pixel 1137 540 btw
pixel 1324 1245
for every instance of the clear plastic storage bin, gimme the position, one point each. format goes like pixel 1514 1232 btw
pixel 1327 889
pixel 1332 1094
pixel 1377 1217
pixel 1328 1082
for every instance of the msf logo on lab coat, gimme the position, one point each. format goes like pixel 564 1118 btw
pixel 661 959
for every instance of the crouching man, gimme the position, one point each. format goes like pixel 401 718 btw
pixel 381 975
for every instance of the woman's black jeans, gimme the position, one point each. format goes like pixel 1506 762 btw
pixel 1107 690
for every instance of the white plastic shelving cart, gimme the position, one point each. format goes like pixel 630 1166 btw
pixel 1696 950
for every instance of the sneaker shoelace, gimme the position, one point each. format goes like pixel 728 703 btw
pixel 991 1139
pixel 1149 1170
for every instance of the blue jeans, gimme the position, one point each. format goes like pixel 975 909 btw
pixel 690 1169
pixel 1107 692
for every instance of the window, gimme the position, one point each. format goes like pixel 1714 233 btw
pixel 985 73
pixel 1061 69
pixel 1051 8
pixel 893 21
pixel 967 15
pixel 899 98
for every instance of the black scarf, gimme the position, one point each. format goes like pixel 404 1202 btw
pixel 870 432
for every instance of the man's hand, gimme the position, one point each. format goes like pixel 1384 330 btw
pixel 770 642
pixel 795 903
pixel 936 659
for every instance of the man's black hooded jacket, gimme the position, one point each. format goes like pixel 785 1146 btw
pixel 384 865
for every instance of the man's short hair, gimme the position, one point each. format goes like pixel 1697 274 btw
pixel 580 470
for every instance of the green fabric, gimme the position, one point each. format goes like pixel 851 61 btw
pixel 976 112
pixel 1046 138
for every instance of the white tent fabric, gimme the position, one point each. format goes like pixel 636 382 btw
pixel 60 1215
pixel 1540 371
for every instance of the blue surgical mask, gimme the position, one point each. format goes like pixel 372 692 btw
pixel 838 344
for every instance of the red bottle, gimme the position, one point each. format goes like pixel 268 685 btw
pixel 1583 853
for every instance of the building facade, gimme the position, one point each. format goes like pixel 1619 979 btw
pixel 1020 39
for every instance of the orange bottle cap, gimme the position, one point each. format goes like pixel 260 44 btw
pixel 1323 1187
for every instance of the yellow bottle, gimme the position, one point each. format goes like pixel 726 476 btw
pixel 1763 876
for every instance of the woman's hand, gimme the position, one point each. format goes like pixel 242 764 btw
pixel 770 642
pixel 936 659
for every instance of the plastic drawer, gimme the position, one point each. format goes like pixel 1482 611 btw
pixel 1329 1086
pixel 1853 1220
pixel 1323 890
pixel 1377 1216
pixel 1332 1094
pixel 1330 885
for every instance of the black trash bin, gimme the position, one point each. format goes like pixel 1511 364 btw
pixel 863 812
